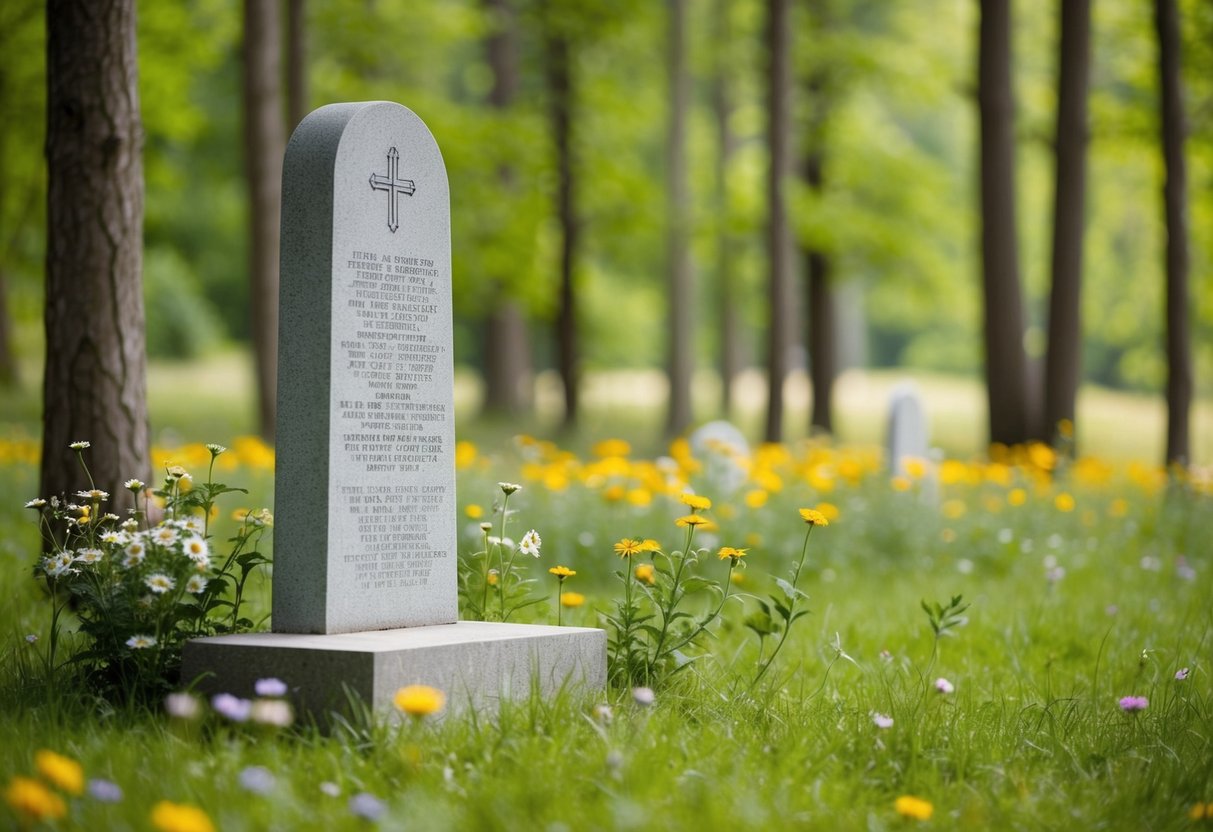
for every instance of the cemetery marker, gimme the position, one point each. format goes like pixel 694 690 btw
pixel 365 565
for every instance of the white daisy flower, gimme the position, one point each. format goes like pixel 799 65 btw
pixel 140 642
pixel 80 446
pixel 195 549
pixel 37 502
pixel 89 555
pixel 530 543
pixel 114 538
pixel 159 583
pixel 165 535
pixel 195 584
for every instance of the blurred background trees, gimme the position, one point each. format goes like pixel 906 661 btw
pixel 597 173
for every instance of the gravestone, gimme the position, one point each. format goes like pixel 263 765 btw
pixel 907 436
pixel 365 564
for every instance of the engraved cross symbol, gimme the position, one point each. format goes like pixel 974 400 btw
pixel 394 185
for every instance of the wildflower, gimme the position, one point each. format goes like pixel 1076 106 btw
pixel 562 572
pixel 215 449
pixel 135 485
pixel 104 791
pixel 31 639
pixel 628 546
pixel 1201 811
pixel 30 799
pixel 813 517
pixel 882 721
pixel 1181 674
pixel 114 538
pixel 176 472
pixel 603 714
pixel 160 583
pixel 140 642
pixel 135 553
pixel 195 549
pixel 330 788
pixel 695 501
pixel 508 488
pixel 270 687
pixel 195 584
pixel 80 446
pixel 645 573
pixel 191 524
pixel 165 535
pixel 180 817
pixel 486 527
pixel 37 502
pixel 530 543
pixel 232 707
pixel 129 525
pixel 644 697
pixel 183 706
pixel 1055 574
pixel 257 779
pixel 909 806
pixel 650 545
pixel 275 712
pixel 474 511
pixel 94 495
pixel 494 577
pixel 419 700
pixel 943 686
pixel 729 553
pixel 59 564
pixel 829 511
pixel 691 520
pixel 572 599
pixel 1064 502
pixel 89 556
pixel 367 806
pixel 62 772
pixel 1132 704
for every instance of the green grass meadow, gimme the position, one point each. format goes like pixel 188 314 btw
pixel 1088 582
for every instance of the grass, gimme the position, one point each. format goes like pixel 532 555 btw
pixel 1032 736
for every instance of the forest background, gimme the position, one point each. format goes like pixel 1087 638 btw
pixel 884 110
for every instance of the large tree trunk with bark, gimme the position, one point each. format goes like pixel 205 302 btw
pixel 1064 359
pixel 726 304
pixel 1006 362
pixel 780 249
pixel 1175 200
pixel 560 91
pixel 296 63
pixel 507 348
pixel 680 294
pixel 263 146
pixel 95 386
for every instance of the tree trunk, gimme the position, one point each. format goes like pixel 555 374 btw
pixel 1179 357
pixel 1006 362
pixel 560 88
pixel 722 109
pixel 263 147
pixel 507 349
pixel 779 233
pixel 8 363
pixel 679 366
pixel 296 64
pixel 1064 360
pixel 823 337
pixel 95 384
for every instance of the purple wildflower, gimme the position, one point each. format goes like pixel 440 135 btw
pixel 943 686
pixel 270 687
pixel 1131 704
pixel 882 721
pixel 1182 674
pixel 367 806
pixel 104 791
pixel 257 779
pixel 232 707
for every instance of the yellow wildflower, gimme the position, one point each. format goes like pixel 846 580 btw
pixel 953 509
pixel 650 545
pixel 640 497
pixel 32 800
pixel 614 493
pixel 180 817
pixel 465 454
pixel 1017 497
pixel 628 546
pixel 813 517
pixel 562 572
pixel 1064 502
pixel 756 498
pixel 612 447
pixel 697 502
pixel 829 511
pixel 1200 811
pixel 572 599
pixel 913 807
pixel 900 484
pixel 690 520
pixel 419 700
pixel 474 511
pixel 1118 507
pixel 60 771
pixel 646 573
pixel 729 553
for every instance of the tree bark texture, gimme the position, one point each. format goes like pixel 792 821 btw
pixel 1064 358
pixel 823 336
pixel 1006 361
pixel 726 305
pixel 507 351
pixel 95 383
pixel 1175 201
pixel 264 142
pixel 680 290
pixel 296 63
pixel 781 299
pixel 560 88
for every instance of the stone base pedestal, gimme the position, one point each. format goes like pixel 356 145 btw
pixel 475 663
